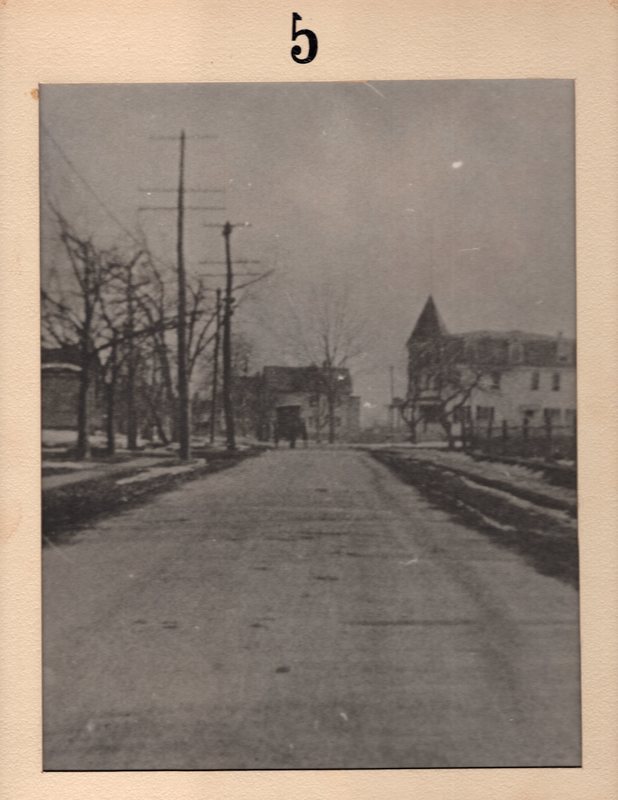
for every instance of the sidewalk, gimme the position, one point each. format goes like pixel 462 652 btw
pixel 92 488
pixel 93 470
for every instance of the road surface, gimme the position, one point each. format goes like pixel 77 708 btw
pixel 302 610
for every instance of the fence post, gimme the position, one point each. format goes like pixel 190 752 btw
pixel 548 437
pixel 505 436
pixel 524 433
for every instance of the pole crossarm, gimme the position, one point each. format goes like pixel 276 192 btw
pixel 161 190
pixel 227 225
pixel 236 261
pixel 222 274
pixel 186 208
pixel 192 136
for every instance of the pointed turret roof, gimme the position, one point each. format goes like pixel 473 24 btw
pixel 429 324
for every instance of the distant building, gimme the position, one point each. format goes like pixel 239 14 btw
pixel 316 394
pixel 60 379
pixel 489 376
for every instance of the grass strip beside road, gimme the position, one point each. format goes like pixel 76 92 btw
pixel 545 539
pixel 66 508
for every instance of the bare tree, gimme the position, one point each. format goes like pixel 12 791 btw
pixel 71 317
pixel 327 332
pixel 440 379
pixel 158 306
pixel 157 384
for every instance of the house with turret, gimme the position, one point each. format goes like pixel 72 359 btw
pixel 487 378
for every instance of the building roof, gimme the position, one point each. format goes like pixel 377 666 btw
pixel 302 379
pixel 494 348
pixel 69 354
pixel 429 325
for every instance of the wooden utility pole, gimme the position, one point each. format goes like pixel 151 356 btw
pixel 391 410
pixel 228 408
pixel 228 302
pixel 215 370
pixel 183 384
pixel 183 415
pixel 131 411
pixel 110 386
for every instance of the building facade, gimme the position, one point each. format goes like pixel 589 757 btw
pixel 487 378
pixel 322 397
pixel 60 380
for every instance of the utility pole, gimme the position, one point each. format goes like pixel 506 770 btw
pixel 391 410
pixel 183 384
pixel 215 371
pixel 131 413
pixel 184 421
pixel 228 301
pixel 228 408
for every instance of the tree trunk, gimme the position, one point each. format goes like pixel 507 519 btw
pixel 331 419
pixel 160 429
pixel 111 422
pixel 131 407
pixel 83 441
pixel 448 430
pixel 155 418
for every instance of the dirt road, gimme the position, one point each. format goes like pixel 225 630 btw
pixel 303 610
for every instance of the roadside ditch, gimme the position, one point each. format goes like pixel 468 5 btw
pixel 540 527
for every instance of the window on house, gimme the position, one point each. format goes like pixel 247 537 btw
pixel 517 353
pixel 462 414
pixel 551 415
pixel 569 416
pixel 484 413
pixel 496 378
pixel 470 351
pixel 535 380
pixel 555 382
pixel 431 413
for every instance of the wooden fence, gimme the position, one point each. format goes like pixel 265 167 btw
pixel 548 441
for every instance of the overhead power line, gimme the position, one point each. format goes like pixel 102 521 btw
pixel 88 186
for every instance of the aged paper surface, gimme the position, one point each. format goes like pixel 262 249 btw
pixel 91 42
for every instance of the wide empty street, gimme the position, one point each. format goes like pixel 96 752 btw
pixel 304 609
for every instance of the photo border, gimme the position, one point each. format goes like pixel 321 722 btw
pixel 86 41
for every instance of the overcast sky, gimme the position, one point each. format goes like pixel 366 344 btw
pixel 460 188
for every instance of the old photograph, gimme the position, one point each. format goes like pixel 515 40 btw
pixel 309 426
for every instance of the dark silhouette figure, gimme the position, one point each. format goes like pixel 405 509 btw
pixel 292 430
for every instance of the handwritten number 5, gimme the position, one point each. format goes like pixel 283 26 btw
pixel 312 42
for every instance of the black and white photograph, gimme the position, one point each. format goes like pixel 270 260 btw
pixel 309 426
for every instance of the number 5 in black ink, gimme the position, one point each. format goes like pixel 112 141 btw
pixel 312 41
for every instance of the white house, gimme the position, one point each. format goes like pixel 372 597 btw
pixel 487 377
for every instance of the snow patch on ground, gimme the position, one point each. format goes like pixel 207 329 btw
pixel 517 475
pixel 560 516
pixel 156 472
pixel 65 465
